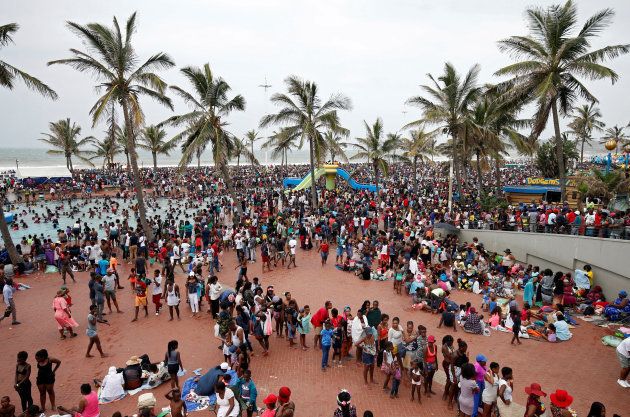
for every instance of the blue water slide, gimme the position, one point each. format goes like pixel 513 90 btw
pixel 357 186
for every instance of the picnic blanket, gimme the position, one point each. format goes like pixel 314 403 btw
pixel 196 402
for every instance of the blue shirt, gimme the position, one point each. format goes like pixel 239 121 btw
pixel 327 337
pixel 103 264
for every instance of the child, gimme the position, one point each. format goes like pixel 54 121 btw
pixel 304 325
pixel 516 327
pixel 337 338
pixel 416 380
pixel 551 333
pixel 178 406
pixel 133 279
pixel 270 406
pixel 396 376
pixel 326 342
pixel 388 359
pixel 6 408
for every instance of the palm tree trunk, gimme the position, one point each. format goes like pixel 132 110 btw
pixel 238 160
pixel 582 151
pixel 559 150
pixel 128 161
pixel 154 160
pixel 478 176
pixel 6 236
pixel 228 184
pixel 313 182
pixel 252 154
pixel 137 181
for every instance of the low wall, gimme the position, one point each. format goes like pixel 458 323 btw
pixel 610 258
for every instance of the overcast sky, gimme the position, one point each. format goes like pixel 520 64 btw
pixel 376 52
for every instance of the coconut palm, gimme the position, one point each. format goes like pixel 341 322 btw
pixel 206 123
pixel 449 99
pixel 152 140
pixel 8 76
pixel 64 138
pixel 585 122
pixel 107 149
pixel 251 136
pixel 419 146
pixel 281 143
pixel 335 145
pixel 240 150
pixel 554 54
pixel 110 56
pixel 376 149
pixel 304 116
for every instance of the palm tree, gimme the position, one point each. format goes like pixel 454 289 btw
pixel 8 76
pixel 554 54
pixel 585 122
pixel 281 143
pixel 252 136
pixel 376 149
pixel 419 146
pixel 112 59
pixel 335 145
pixel 107 149
pixel 615 133
pixel 206 123
pixel 240 150
pixel 152 140
pixel 64 138
pixel 450 98
pixel 305 117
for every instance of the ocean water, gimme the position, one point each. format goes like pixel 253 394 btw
pixel 33 162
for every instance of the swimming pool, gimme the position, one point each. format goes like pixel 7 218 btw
pixel 161 206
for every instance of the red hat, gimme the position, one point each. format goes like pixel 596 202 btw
pixel 270 399
pixel 431 339
pixel 535 389
pixel 284 394
pixel 561 398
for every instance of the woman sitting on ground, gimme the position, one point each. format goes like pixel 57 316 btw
pixel 621 305
pixel 473 323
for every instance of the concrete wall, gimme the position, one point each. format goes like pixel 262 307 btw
pixel 610 258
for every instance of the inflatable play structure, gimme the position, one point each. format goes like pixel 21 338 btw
pixel 331 172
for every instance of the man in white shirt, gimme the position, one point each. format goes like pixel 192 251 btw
pixel 359 326
pixel 157 291
pixel 109 284
pixel 292 244
pixel 7 293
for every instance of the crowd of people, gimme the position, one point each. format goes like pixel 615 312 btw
pixel 194 223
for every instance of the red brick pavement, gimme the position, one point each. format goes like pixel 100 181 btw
pixel 582 366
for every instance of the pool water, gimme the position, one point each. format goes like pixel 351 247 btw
pixel 67 217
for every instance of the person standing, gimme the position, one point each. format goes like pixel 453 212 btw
pixel 64 260
pixel 326 342
pixel 172 299
pixel 157 291
pixel 323 250
pixel 7 292
pixel 173 362
pixel 63 315
pixel 623 353
pixel 46 377
pixel 292 245
pixel 23 380
pixel 92 334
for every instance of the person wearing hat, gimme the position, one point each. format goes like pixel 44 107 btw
pixel 534 406
pixel 286 407
pixel 132 374
pixel 621 305
pixel 560 402
pixel 480 373
pixel 146 405
pixel 270 405
pixel 206 383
